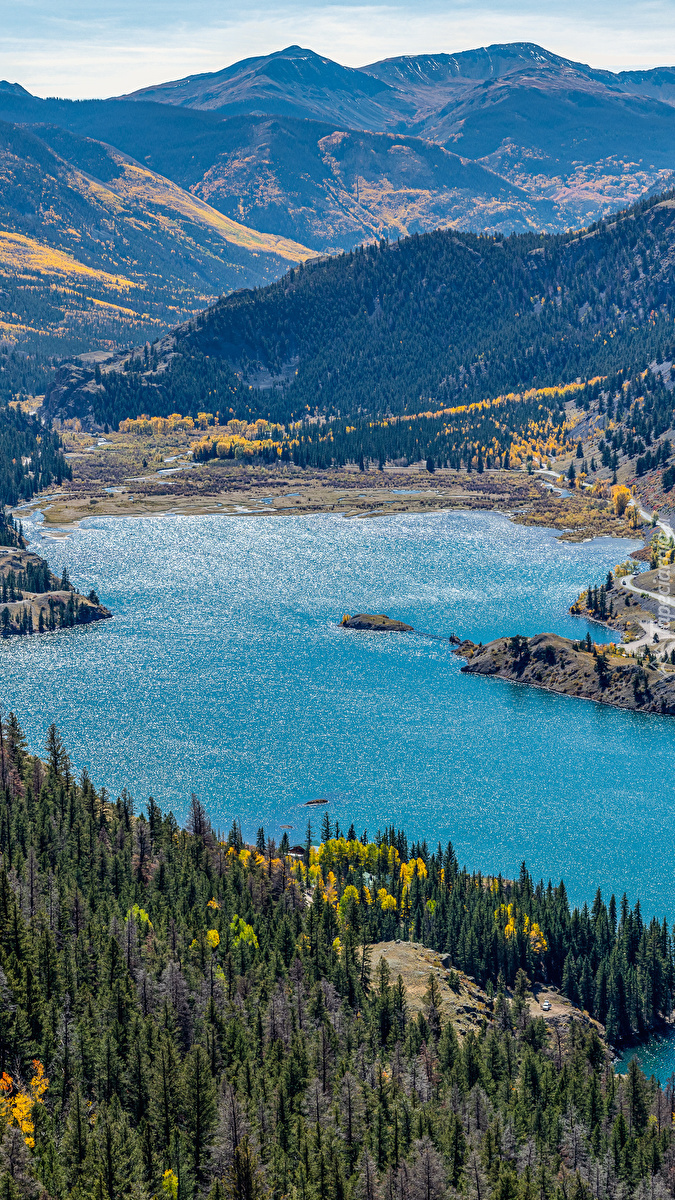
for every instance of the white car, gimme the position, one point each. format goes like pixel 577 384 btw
pixel 546 1004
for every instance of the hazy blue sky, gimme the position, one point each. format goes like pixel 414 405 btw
pixel 86 48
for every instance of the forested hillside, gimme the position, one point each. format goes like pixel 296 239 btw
pixel 434 320
pixel 480 436
pixel 188 1016
pixel 333 188
pixel 30 458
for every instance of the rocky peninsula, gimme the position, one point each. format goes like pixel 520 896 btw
pixel 574 669
pixel 34 600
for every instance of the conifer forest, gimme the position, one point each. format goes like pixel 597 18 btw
pixel 184 1015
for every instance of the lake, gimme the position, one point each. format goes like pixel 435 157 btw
pixel 225 672
pixel 656 1056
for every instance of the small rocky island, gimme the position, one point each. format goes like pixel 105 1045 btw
pixel 574 669
pixel 36 601
pixel 375 621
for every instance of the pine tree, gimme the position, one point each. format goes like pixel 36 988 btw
pixel 570 982
pixel 75 1139
pixel 112 1154
pixel 199 1106
pixel 586 987
pixel 245 1180
pixel 164 1100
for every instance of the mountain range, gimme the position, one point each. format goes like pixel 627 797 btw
pixel 160 201
pixel 583 139
pixel 396 93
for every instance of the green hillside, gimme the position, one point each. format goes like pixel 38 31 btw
pixel 438 320
pixel 30 459
pixel 186 1016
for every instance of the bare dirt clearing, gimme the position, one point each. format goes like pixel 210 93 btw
pixel 469 1006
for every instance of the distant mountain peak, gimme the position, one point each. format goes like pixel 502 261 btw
pixel 468 66
pixel 295 81
pixel 243 69
pixel 14 89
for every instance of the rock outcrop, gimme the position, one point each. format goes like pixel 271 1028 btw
pixel 33 600
pixel 376 622
pixel 71 395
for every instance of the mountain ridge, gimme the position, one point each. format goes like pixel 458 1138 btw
pixel 91 238
pixel 274 171
pixel 583 139
pixel 431 323
pixel 297 80
pixel 400 80
pixel 637 81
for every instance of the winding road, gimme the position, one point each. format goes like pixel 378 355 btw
pixel 627 582
pixel 666 639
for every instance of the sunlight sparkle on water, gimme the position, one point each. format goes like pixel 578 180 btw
pixel 224 671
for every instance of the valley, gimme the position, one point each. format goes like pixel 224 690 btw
pixel 97 250
pixel 455 353
pixel 133 473
pixel 324 392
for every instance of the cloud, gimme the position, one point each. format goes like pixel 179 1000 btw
pixel 85 51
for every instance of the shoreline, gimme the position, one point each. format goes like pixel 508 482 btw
pixel 54 605
pixel 59 530
pixel 557 664
pixel 123 475
pixel 543 687
pixel 375 501
pixel 520 498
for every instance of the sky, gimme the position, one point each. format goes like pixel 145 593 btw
pixel 89 48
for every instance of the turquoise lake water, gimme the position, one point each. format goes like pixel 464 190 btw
pixel 655 1057
pixel 224 671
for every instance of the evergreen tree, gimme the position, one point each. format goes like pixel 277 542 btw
pixel 200 1111
pixel 570 982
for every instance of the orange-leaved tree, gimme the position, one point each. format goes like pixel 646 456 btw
pixel 16 1103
